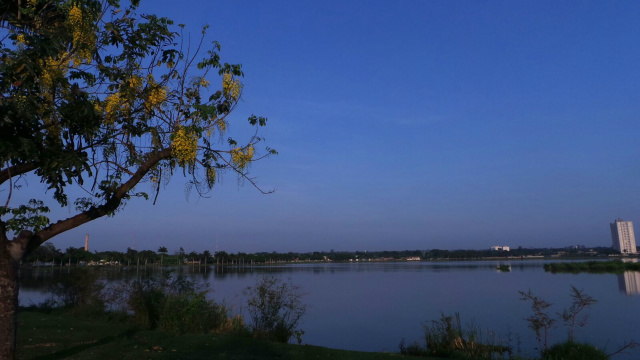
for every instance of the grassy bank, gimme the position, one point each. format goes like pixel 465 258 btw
pixel 63 336
pixel 615 266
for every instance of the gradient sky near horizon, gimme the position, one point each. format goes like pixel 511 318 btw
pixel 413 125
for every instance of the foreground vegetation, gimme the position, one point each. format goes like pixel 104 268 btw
pixel 170 317
pixel 174 304
pixel 447 337
pixel 615 266
pixel 60 335
pixel 164 317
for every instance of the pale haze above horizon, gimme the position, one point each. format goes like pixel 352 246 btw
pixel 410 125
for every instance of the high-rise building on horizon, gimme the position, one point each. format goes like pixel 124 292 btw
pixel 624 240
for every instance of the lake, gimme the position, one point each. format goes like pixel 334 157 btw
pixel 372 306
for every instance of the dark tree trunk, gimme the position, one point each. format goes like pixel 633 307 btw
pixel 8 303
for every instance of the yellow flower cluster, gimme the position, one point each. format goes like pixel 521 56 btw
pixel 75 16
pixel 157 96
pixel 185 147
pixel 241 158
pixel 214 123
pixel 21 42
pixel 54 69
pixel 112 105
pixel 222 126
pixel 135 82
pixel 230 87
pixel 116 103
pixel 82 36
pixel 203 82
pixel 211 176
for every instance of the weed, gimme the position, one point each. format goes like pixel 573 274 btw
pixel 446 338
pixel 413 349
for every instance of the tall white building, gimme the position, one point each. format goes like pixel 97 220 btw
pixel 624 240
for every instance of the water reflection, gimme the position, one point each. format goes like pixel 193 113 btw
pixel 629 282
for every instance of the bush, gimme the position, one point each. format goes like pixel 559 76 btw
pixel 413 349
pixel 173 304
pixel 191 312
pixel 145 300
pixel 275 308
pixel 574 351
pixel 81 291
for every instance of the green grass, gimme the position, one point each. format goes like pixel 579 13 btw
pixel 62 336
pixel 615 266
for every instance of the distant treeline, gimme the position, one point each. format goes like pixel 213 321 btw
pixel 48 253
pixel 615 266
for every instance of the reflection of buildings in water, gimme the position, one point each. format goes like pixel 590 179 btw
pixel 629 282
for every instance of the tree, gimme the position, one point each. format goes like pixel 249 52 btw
pixel 45 253
pixel 162 250
pixel 275 307
pixel 97 98
pixel 75 254
pixel 580 302
pixel 540 322
pixel 222 256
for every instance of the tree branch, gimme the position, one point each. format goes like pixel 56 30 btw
pixel 28 241
pixel 15 170
pixel 627 345
pixel 6 205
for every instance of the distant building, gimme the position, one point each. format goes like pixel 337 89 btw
pixel 500 248
pixel 624 240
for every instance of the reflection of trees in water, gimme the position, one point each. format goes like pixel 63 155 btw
pixel 629 282
pixel 40 278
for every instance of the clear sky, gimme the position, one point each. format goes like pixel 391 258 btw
pixel 413 125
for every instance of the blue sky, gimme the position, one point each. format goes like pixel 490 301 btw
pixel 413 125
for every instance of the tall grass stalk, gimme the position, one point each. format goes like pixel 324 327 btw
pixel 447 338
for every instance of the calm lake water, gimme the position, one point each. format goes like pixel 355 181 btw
pixel 373 306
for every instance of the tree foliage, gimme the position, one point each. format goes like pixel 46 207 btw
pixel 98 96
